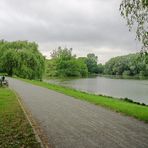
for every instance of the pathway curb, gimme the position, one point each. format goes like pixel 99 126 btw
pixel 39 135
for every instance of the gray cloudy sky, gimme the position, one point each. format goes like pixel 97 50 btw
pixel 85 25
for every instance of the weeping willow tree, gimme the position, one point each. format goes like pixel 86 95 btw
pixel 136 14
pixel 21 58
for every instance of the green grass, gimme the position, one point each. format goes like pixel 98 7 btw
pixel 131 109
pixel 15 130
pixel 1 74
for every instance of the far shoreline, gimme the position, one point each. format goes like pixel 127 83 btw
pixel 100 75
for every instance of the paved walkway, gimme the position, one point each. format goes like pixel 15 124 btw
pixel 71 123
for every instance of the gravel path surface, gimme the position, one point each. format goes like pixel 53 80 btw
pixel 72 123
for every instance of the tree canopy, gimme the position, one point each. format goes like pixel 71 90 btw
pixel 130 65
pixel 64 64
pixel 136 14
pixel 91 62
pixel 21 58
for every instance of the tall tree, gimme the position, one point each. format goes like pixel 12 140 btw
pixel 10 62
pixel 64 64
pixel 21 58
pixel 91 62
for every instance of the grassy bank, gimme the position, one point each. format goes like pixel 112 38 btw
pixel 138 111
pixel 15 130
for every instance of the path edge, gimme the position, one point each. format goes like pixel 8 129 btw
pixel 39 134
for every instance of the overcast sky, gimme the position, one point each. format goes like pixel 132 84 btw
pixel 85 25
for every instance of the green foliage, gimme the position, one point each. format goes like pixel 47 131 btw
pixel 9 61
pixel 64 64
pixel 82 67
pixel 68 68
pixel 91 62
pixel 136 14
pixel 50 68
pixel 131 65
pixel 21 58
pixel 100 68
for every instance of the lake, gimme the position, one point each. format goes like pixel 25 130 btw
pixel 137 90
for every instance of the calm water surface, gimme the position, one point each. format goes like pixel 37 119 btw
pixel 136 90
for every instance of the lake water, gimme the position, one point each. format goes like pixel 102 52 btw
pixel 136 90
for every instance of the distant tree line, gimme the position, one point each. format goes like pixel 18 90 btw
pixel 64 64
pixel 130 65
pixel 21 58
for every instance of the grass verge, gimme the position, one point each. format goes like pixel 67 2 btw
pixel 128 108
pixel 15 130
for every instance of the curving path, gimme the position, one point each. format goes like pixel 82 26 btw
pixel 71 123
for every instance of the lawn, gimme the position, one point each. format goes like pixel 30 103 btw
pixel 15 130
pixel 128 108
